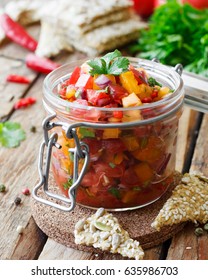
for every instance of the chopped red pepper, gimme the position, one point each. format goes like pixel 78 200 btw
pixel 15 32
pixel 24 102
pixel 75 75
pixel 40 64
pixel 118 114
pixel 146 100
pixel 154 94
pixel 18 79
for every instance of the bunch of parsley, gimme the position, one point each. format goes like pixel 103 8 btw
pixel 177 34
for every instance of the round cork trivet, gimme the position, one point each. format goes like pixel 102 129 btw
pixel 59 225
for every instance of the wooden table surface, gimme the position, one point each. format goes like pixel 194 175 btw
pixel 18 170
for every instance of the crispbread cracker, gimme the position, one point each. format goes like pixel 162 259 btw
pixel 81 12
pixel 51 42
pixel 188 202
pixel 102 230
pixel 107 37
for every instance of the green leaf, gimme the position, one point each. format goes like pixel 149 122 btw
pixel 115 192
pixel 176 39
pixel 11 134
pixel 85 132
pixel 68 184
pixel 112 165
pixel 111 56
pixel 111 63
pixel 152 82
pixel 98 66
pixel 118 66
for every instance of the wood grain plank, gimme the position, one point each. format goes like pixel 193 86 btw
pixel 11 92
pixel 25 249
pixel 198 246
pixel 19 170
pixel 186 131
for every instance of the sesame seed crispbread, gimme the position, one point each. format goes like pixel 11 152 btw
pixel 102 230
pixel 188 202
pixel 51 42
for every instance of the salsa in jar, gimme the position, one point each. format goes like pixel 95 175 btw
pixel 126 112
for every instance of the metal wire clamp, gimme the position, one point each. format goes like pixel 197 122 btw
pixel 81 151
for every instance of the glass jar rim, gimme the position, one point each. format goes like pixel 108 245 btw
pixel 55 99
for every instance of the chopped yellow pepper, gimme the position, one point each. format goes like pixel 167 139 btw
pixel 129 82
pixel 131 143
pixel 144 172
pixel 70 93
pixel 111 133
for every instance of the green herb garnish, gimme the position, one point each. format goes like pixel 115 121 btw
pixel 176 34
pixel 112 165
pixel 115 192
pixel 137 189
pixel 71 156
pixel 111 63
pixel 85 132
pixel 68 184
pixel 152 82
pixel 143 142
pixel 11 134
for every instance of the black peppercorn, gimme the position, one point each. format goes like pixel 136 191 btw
pixel 17 201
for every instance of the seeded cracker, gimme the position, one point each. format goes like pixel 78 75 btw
pixel 102 230
pixel 189 202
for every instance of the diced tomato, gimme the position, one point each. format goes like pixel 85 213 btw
pixel 117 92
pixel 113 145
pixel 118 114
pixel 92 179
pixel 139 75
pixel 79 113
pixel 95 147
pixel 109 170
pixel 84 81
pixel 97 98
pixel 81 102
pixel 146 100
pixel 74 76
pixel 142 131
pixel 93 115
pixel 130 178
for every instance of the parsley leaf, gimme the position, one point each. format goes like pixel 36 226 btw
pixel 111 63
pixel 11 134
pixel 176 39
pixel 85 132
pixel 68 184
pixel 118 66
pixel 152 82
pixel 98 66
pixel 111 56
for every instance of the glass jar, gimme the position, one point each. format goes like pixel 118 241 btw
pixel 100 162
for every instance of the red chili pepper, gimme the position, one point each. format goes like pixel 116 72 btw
pixel 24 102
pixel 18 79
pixel 15 32
pixel 40 64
